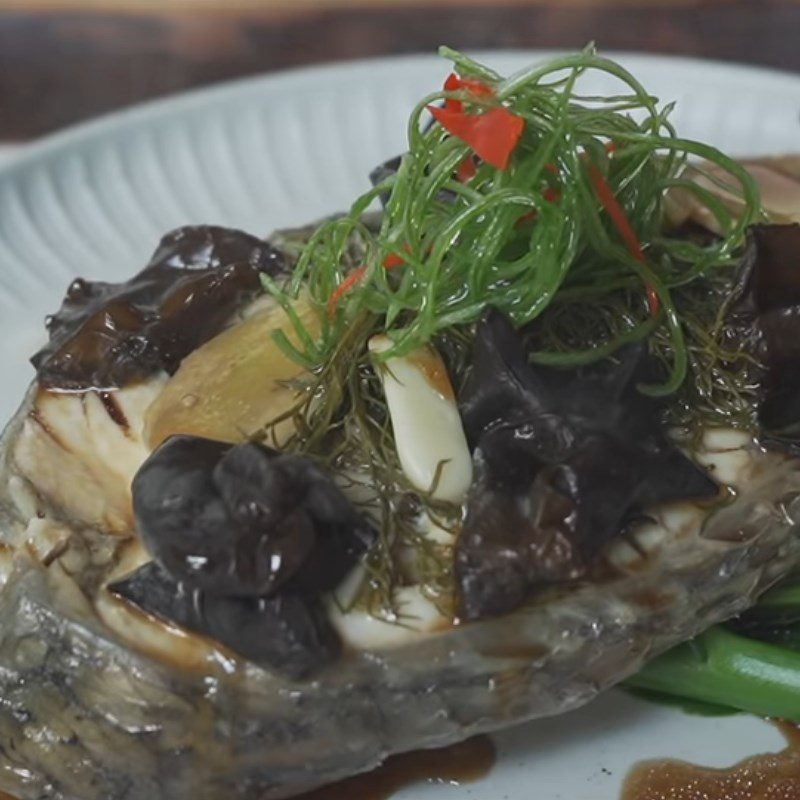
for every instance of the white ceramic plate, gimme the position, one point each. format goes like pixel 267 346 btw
pixel 282 150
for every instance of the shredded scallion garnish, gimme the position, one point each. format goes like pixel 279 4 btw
pixel 464 247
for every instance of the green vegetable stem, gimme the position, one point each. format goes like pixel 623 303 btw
pixel 725 668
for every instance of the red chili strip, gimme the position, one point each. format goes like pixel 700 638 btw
pixel 493 135
pixel 475 87
pixel 606 196
pixel 390 262
pixel 393 260
pixel 466 170
pixel 552 194
pixel 653 300
pixel 345 286
pixel 621 222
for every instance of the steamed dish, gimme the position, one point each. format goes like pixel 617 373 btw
pixel 514 425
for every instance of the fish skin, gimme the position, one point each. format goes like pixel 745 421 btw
pixel 84 716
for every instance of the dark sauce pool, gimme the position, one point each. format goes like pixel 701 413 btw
pixel 771 776
pixel 460 763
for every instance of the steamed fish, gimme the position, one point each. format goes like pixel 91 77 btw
pixel 276 509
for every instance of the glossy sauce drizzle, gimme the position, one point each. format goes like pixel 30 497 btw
pixel 772 776
pixel 460 763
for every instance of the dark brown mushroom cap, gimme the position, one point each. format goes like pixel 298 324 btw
pixel 563 459
pixel 106 335
pixel 768 311
pixel 244 520
pixel 289 633
pixel 244 541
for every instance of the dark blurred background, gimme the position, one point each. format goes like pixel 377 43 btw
pixel 65 60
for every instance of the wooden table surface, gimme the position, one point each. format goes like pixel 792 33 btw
pixel 65 60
